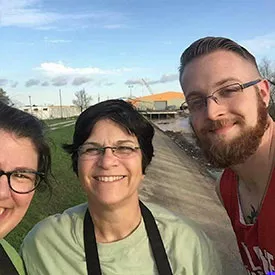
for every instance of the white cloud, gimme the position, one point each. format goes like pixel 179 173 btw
pixel 260 45
pixel 29 13
pixel 23 13
pixel 58 69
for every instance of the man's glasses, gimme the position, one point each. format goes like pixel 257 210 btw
pixel 90 151
pixel 24 181
pixel 220 96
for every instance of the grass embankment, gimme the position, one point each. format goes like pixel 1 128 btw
pixel 66 191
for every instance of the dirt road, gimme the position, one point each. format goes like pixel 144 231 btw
pixel 177 182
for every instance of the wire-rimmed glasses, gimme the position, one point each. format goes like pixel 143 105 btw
pixel 221 96
pixel 90 151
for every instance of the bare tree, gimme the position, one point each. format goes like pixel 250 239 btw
pixel 4 97
pixel 268 71
pixel 82 100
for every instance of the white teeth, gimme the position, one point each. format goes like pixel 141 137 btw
pixel 109 179
pixel 2 210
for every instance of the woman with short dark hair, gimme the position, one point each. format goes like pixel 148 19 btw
pixel 116 233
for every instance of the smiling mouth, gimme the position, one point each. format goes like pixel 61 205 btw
pixel 109 178
pixel 222 128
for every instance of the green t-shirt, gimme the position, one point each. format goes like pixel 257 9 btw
pixel 14 257
pixel 55 246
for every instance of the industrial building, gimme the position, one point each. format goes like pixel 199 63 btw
pixel 167 101
pixel 51 112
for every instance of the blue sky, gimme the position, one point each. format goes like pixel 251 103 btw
pixel 107 46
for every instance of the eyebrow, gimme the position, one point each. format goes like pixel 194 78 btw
pixel 20 168
pixel 229 79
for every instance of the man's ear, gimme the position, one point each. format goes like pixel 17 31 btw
pixel 264 91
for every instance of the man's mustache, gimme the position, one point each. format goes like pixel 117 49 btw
pixel 212 125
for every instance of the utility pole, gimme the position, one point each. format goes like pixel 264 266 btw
pixel 60 101
pixel 130 86
pixel 98 97
pixel 30 101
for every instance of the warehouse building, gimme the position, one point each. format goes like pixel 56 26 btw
pixel 159 102
pixel 51 112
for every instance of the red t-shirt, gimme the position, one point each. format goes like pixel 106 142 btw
pixel 256 241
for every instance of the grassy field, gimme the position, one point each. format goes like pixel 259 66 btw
pixel 66 191
pixel 57 120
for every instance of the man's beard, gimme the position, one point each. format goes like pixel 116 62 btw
pixel 222 154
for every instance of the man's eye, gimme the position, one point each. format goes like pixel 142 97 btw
pixel 229 91
pixel 196 102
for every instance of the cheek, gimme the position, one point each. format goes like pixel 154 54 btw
pixel 22 201
pixel 82 168
pixel 196 124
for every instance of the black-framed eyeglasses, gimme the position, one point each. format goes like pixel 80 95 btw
pixel 221 96
pixel 90 151
pixel 23 181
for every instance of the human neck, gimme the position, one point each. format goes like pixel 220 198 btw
pixel 116 222
pixel 255 172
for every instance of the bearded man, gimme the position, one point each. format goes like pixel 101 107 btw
pixel 228 103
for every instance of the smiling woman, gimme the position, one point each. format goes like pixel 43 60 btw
pixel 24 164
pixel 114 232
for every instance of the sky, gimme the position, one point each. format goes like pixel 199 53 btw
pixel 50 49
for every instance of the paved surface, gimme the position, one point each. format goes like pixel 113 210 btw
pixel 176 181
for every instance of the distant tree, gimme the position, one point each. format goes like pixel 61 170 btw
pixel 268 71
pixel 4 97
pixel 82 100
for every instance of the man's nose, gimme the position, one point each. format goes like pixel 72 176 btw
pixel 213 108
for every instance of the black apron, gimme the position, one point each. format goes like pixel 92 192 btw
pixel 6 265
pixel 92 259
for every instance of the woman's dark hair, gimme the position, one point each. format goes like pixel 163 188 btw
pixel 125 115
pixel 25 125
pixel 210 44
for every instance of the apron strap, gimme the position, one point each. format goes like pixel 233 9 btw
pixel 92 258
pixel 6 265
pixel 160 256
pixel 155 240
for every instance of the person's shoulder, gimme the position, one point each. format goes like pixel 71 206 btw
pixel 60 222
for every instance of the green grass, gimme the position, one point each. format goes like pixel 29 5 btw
pixel 67 191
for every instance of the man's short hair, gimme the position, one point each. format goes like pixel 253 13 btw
pixel 210 44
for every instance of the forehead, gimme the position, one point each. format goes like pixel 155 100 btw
pixel 107 130
pixel 205 72
pixel 17 151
